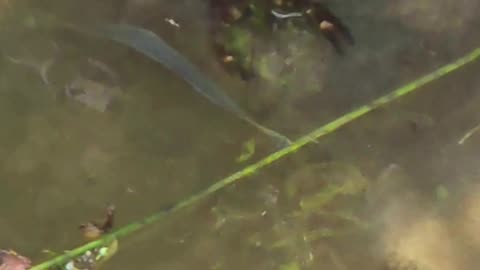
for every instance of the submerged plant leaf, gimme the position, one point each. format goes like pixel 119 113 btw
pixel 291 189
pixel 349 216
pixel 290 266
pixel 329 193
pixel 441 193
pixel 307 238
pixel 248 151
pixel 49 253
pixel 265 71
pixel 239 41
pixel 320 199
pixel 151 45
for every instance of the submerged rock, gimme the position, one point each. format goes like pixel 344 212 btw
pixel 96 87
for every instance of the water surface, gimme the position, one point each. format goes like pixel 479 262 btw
pixel 62 162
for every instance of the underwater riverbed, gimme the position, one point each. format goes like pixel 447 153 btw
pixel 88 122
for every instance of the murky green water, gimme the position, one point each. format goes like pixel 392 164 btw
pixel 158 142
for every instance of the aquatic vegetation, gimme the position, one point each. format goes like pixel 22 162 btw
pixel 234 24
pixel 288 228
pixel 268 160
pixel 339 179
pixel 290 266
pixel 151 45
pixel 321 198
pixel 248 151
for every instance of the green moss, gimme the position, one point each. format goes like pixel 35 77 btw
pixel 290 266
pixel 259 14
pixel 248 151
pixel 239 41
pixel 264 70
pixel 337 179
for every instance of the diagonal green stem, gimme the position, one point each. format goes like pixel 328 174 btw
pixel 311 137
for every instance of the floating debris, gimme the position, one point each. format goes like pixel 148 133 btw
pixel 10 260
pixel 280 15
pixel 172 22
